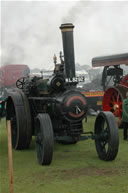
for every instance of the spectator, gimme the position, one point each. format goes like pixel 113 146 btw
pixel 2 107
pixel 125 117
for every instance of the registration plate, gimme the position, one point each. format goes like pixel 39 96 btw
pixel 99 103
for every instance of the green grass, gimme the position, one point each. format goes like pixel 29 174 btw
pixel 74 169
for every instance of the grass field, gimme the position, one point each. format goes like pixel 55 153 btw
pixel 75 168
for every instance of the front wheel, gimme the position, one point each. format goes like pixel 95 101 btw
pixel 44 139
pixel 107 137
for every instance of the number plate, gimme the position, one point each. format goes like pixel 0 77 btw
pixel 99 103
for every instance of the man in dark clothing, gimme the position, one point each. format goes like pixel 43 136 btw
pixel 2 107
pixel 125 117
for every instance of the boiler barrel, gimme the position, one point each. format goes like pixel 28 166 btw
pixel 112 60
pixel 68 47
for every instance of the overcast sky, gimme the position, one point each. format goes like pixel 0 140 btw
pixel 30 31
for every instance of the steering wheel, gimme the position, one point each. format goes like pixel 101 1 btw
pixel 21 82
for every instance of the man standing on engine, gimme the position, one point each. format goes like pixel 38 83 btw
pixel 125 117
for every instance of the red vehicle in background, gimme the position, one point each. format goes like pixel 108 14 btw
pixel 9 74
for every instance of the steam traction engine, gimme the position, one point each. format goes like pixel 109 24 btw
pixel 54 109
pixel 112 72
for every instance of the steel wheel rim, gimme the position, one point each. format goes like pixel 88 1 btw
pixel 106 136
pixel 103 139
pixel 14 130
pixel 18 112
pixel 39 141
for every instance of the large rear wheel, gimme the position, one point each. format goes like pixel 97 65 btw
pixel 107 137
pixel 113 99
pixel 18 112
pixel 44 138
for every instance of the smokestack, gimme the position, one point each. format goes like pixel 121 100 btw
pixel 68 48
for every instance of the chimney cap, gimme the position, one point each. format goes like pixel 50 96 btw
pixel 67 26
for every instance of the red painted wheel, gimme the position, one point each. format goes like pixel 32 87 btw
pixel 112 100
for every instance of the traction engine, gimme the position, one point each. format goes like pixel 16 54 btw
pixel 114 74
pixel 54 109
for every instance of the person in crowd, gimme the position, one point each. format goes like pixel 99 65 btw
pixel 125 117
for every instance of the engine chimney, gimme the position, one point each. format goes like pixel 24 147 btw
pixel 68 48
